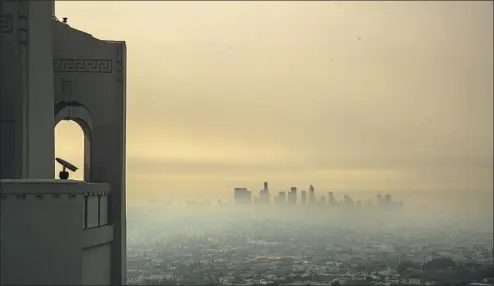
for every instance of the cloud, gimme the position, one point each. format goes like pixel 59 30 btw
pixel 298 97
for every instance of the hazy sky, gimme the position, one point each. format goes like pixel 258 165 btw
pixel 345 96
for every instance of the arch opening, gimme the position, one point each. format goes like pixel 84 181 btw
pixel 73 140
pixel 69 145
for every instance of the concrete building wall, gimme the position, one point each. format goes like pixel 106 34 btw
pixel 40 120
pixel 42 244
pixel 10 103
pixel 89 74
pixel 92 218
pixel 26 91
pixel 42 239
pixel 50 72
pixel 96 265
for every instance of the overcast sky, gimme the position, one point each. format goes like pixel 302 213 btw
pixel 345 96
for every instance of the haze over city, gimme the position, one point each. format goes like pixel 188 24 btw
pixel 246 143
pixel 347 96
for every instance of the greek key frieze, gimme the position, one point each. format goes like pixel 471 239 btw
pixel 6 25
pixel 83 65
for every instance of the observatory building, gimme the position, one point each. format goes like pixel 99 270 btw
pixel 55 231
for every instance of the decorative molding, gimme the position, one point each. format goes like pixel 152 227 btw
pixel 105 194
pixel 38 196
pixel 83 65
pixel 6 24
pixel 67 91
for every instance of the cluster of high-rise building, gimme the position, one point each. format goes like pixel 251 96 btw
pixel 244 196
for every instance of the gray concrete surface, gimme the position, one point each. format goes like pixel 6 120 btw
pixel 49 72
pixel 42 240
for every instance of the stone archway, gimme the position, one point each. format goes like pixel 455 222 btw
pixel 79 114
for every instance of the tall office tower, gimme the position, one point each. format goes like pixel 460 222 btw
pixel 54 231
pixel 312 197
pixel 260 199
pixel 347 201
pixel 237 195
pixel 387 200
pixel 282 198
pixel 264 194
pixel 248 196
pixel 292 196
pixel 242 196
pixel 303 197
pixel 322 200
pixel 331 199
pixel 379 199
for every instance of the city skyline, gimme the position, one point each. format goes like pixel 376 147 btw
pixel 355 95
pixel 242 195
pixel 249 104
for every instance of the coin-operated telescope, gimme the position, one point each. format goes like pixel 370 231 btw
pixel 64 175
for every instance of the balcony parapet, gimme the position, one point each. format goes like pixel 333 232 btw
pixel 48 225
pixel 46 186
pixel 92 197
